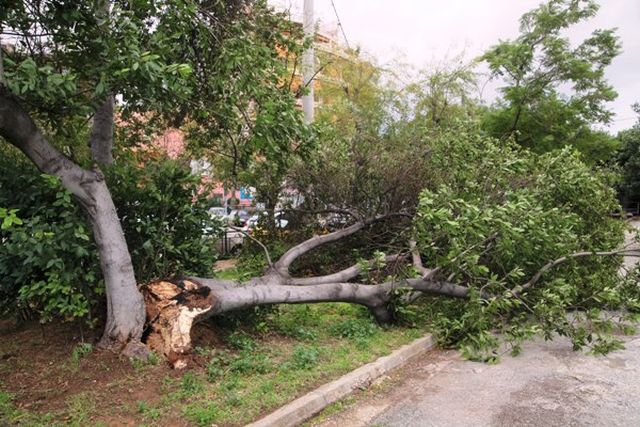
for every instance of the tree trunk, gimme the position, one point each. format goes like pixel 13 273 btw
pixel 125 306
pixel 125 310
pixel 174 306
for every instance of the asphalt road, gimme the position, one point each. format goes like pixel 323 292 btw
pixel 547 385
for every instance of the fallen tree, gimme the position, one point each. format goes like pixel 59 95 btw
pixel 174 306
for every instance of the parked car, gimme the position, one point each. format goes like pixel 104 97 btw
pixel 218 211
pixel 231 241
pixel 238 217
pixel 279 218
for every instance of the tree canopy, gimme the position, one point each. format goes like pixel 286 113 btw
pixel 555 90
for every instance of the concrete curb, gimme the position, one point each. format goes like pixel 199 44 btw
pixel 303 408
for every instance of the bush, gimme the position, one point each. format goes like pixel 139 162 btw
pixel 49 263
pixel 163 212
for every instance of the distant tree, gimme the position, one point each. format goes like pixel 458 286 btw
pixel 554 91
pixel 629 161
pixel 240 114
pixel 444 94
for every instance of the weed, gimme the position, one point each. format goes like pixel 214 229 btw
pixel 232 399
pixel 241 341
pixel 153 359
pixel 354 328
pixel 80 407
pixel 190 385
pixel 10 415
pixel 7 410
pixel 80 351
pixel 216 366
pixel 304 357
pixel 247 362
pixel 200 351
pixel 202 413
pixel 298 332
pixel 139 364
pixel 148 411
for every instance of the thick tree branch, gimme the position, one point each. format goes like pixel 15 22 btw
pixel 282 265
pixel 285 261
pixel 437 287
pixel 17 127
pixel 101 138
pixel 341 276
pixel 536 277
pixel 370 296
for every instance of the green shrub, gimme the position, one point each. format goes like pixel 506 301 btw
pixel 163 211
pixel 304 357
pixel 80 351
pixel 354 328
pixel 248 361
pixel 49 263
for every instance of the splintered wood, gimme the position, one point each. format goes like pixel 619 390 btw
pixel 172 307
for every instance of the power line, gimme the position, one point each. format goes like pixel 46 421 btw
pixel 340 24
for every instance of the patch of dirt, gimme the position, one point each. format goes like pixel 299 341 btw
pixel 37 366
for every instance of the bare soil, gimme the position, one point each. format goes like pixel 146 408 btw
pixel 37 367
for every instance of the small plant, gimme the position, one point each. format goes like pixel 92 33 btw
pixel 232 399
pixel 247 362
pixel 353 328
pixel 80 408
pixel 80 351
pixel 190 385
pixel 304 357
pixel 148 411
pixel 153 359
pixel 200 351
pixel 202 413
pixel 241 341
pixel 216 366
pixel 140 364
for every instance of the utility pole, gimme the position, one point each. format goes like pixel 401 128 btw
pixel 308 61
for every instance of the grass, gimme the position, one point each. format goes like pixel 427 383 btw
pixel 281 354
pixel 305 346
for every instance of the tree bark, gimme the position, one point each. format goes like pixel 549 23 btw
pixel 101 139
pixel 125 307
pixel 174 306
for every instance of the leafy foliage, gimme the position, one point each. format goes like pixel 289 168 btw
pixel 48 261
pixel 241 113
pixel 629 161
pixel 163 211
pixel 495 219
pixel 538 66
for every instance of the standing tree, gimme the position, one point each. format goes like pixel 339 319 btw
pixel 629 160
pixel 554 90
pixel 241 113
pixel 62 67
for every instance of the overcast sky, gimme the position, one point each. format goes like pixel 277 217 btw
pixel 426 32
